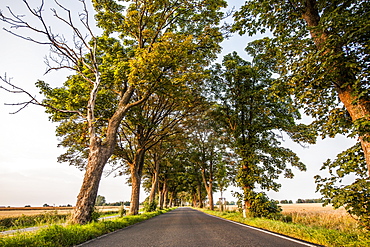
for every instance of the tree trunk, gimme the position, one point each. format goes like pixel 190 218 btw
pixel 358 110
pixel 247 204
pixel 136 169
pixel 99 153
pixel 210 197
pixel 221 201
pixel 153 190
pixel 165 197
pixel 98 157
pixel 200 195
pixel 170 203
pixel 194 199
pixel 209 187
pixel 162 195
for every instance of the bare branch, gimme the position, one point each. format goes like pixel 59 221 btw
pixel 66 56
pixel 32 99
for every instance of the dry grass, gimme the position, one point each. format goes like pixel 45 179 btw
pixel 313 214
pixel 311 207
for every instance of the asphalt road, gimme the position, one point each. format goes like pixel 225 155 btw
pixel 189 227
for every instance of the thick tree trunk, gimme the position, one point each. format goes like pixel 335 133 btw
pixel 200 195
pixel 163 195
pixel 210 197
pixel 86 199
pixel 170 203
pixel 136 170
pixel 209 187
pixel 194 199
pixel 358 110
pixel 247 204
pixel 135 193
pixel 153 190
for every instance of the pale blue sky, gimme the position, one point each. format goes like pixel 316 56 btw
pixel 29 172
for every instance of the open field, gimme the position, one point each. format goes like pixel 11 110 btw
pixel 314 215
pixel 18 211
pixel 311 207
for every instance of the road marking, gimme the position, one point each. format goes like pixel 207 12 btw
pixel 265 231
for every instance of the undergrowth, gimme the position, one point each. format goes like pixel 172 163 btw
pixel 316 233
pixel 70 235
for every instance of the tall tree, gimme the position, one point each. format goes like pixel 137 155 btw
pixel 252 115
pixel 147 125
pixel 321 50
pixel 160 43
pixel 205 152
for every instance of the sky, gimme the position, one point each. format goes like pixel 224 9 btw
pixel 29 171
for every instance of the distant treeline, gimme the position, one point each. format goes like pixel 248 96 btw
pixel 127 203
pixel 302 201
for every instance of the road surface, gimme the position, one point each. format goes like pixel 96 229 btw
pixel 189 227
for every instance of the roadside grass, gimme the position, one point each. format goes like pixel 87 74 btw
pixel 309 227
pixel 70 235
pixel 23 221
pixel 47 218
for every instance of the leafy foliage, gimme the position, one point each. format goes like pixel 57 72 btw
pixel 260 205
pixel 320 50
pixel 350 165
pixel 251 114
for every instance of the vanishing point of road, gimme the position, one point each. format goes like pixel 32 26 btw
pixel 189 227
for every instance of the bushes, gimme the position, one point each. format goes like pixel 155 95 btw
pixel 260 205
pixel 150 207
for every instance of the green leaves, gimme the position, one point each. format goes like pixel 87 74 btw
pixel 320 51
pixel 252 113
pixel 348 185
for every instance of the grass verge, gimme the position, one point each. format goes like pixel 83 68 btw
pixel 317 235
pixel 58 236
pixel 47 218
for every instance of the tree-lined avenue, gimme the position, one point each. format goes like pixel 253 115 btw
pixel 189 227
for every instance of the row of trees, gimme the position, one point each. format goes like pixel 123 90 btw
pixel 303 201
pixel 146 99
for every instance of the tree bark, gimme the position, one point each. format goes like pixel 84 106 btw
pixel 209 187
pixel 99 153
pixel 200 195
pixel 153 190
pixel 98 157
pixel 163 195
pixel 360 110
pixel 357 108
pixel 136 171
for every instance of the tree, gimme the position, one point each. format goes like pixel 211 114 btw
pixel 206 154
pixel 252 115
pixel 82 57
pixel 349 165
pixel 321 51
pixel 160 43
pixel 147 126
pixel 100 201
